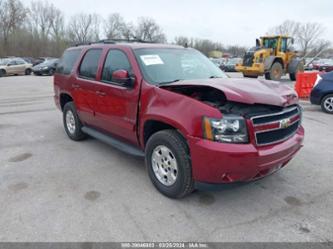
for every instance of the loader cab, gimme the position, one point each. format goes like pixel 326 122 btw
pixel 279 44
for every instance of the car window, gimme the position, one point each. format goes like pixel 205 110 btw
pixel 115 60
pixel 66 63
pixel 89 65
pixel 19 62
pixel 12 62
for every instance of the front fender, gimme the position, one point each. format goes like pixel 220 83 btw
pixel 181 112
pixel 293 65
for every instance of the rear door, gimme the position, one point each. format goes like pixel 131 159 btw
pixel 84 85
pixel 117 106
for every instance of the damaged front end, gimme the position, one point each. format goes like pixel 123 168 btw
pixel 242 123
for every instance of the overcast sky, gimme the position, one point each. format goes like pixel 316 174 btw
pixel 228 21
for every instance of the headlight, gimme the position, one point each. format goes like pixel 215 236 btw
pixel 230 129
pixel 45 68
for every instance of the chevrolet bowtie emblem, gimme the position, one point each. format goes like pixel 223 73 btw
pixel 285 123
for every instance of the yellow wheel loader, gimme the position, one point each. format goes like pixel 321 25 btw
pixel 273 57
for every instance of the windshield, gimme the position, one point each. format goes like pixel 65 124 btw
pixel 270 42
pixel 166 65
pixel 49 62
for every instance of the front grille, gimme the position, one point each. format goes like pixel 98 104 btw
pixel 248 59
pixel 276 127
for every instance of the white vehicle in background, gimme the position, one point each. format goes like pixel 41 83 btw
pixel 14 66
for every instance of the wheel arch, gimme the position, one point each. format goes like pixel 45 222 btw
pixel 324 95
pixel 293 65
pixel 64 98
pixel 154 125
pixel 269 61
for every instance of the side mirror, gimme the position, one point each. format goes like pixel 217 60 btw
pixel 292 41
pixel 123 77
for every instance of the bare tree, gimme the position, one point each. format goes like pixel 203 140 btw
pixel 41 17
pixel 288 27
pixel 307 35
pixel 114 26
pixel 128 31
pixel 84 28
pixel 237 51
pixel 148 30
pixel 12 16
pixel 183 41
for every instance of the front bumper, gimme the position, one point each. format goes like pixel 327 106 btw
pixel 315 96
pixel 40 71
pixel 214 162
pixel 255 69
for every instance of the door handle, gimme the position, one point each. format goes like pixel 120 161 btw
pixel 75 86
pixel 99 93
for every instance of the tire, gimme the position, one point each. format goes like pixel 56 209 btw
pixel 327 104
pixel 2 73
pixel 250 76
pixel 51 72
pixel 275 73
pixel 300 68
pixel 72 123
pixel 28 71
pixel 170 141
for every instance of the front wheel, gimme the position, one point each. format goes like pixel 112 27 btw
pixel 51 72
pixel 28 71
pixel 275 73
pixel 169 165
pixel 327 104
pixel 72 123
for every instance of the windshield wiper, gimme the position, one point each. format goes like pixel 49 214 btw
pixel 214 77
pixel 168 82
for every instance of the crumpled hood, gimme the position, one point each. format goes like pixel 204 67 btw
pixel 249 91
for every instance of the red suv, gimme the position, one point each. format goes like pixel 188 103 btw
pixel 173 106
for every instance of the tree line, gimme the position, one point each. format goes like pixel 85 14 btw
pixel 41 29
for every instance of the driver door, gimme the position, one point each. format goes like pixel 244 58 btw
pixel 117 105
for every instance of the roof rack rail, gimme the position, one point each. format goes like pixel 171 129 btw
pixel 114 41
pixel 82 44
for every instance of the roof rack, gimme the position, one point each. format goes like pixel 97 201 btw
pixel 82 44
pixel 114 41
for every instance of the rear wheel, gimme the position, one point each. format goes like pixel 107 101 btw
pixel 275 73
pixel 300 68
pixel 327 104
pixel 169 164
pixel 28 71
pixel 72 123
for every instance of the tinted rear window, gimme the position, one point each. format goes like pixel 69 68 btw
pixel 66 63
pixel 89 65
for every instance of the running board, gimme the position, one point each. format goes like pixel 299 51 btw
pixel 129 149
